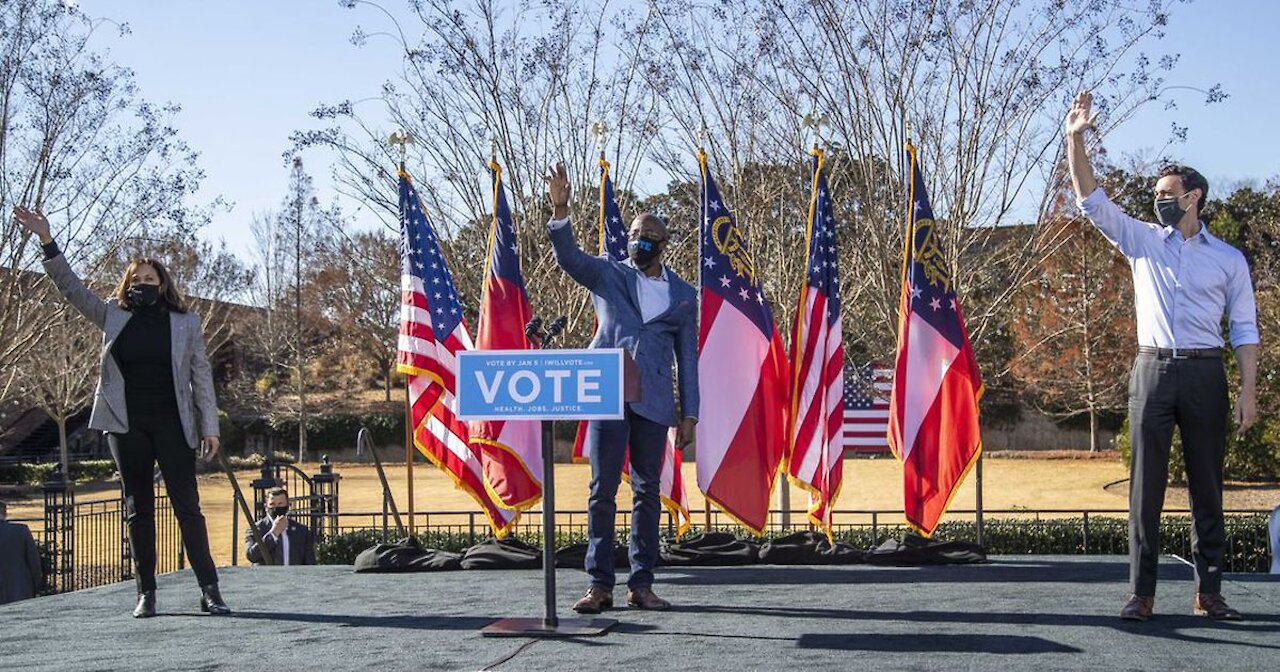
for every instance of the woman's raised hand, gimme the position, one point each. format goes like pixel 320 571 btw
pixel 34 222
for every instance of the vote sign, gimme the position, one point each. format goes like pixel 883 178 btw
pixel 540 385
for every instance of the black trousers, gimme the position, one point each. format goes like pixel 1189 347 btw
pixel 1191 394
pixel 152 438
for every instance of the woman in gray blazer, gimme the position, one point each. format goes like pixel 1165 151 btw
pixel 154 401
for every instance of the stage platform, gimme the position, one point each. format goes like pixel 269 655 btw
pixel 1016 613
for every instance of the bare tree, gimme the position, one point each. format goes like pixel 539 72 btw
pixel 58 374
pixel 78 143
pixel 291 326
pixel 978 86
pixel 531 79
pixel 355 280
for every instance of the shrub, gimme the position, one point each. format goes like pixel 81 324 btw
pixel 83 471
pixel 1254 456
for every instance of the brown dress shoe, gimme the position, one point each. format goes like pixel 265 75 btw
pixel 1138 608
pixel 644 598
pixel 1213 606
pixel 596 600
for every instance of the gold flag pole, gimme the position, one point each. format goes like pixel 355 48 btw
pixel 403 139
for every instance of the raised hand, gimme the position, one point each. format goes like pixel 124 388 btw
pixel 1081 115
pixel 557 180
pixel 34 222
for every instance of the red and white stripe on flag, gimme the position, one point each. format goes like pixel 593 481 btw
pixel 933 416
pixel 426 353
pixel 816 456
pixel 742 427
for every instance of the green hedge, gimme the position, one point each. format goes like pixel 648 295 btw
pixel 325 431
pixel 83 471
pixel 1247 540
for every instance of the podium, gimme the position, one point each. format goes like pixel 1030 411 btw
pixel 547 385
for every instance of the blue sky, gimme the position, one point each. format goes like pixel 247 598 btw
pixel 247 72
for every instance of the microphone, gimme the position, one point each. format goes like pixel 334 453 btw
pixel 531 330
pixel 556 327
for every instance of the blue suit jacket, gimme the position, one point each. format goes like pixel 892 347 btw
pixel 615 292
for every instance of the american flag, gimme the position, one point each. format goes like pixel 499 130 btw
pixel 866 407
pixel 816 458
pixel 432 332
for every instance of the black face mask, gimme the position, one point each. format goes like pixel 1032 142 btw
pixel 1168 211
pixel 144 296
pixel 644 250
pixel 277 511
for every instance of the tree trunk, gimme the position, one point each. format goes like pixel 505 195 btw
pixel 63 449
pixel 1093 430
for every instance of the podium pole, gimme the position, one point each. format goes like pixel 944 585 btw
pixel 550 625
pixel 549 618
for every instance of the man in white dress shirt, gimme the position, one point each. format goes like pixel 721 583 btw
pixel 1184 281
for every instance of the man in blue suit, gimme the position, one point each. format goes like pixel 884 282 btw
pixel 647 309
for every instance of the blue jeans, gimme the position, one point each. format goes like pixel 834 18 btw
pixel 606 443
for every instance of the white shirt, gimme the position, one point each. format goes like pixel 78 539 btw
pixel 1181 287
pixel 654 291
pixel 284 543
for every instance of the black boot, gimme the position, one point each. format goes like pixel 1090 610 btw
pixel 211 601
pixel 146 604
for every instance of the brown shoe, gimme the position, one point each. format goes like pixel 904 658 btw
pixel 1138 608
pixel 644 598
pixel 1213 606
pixel 596 600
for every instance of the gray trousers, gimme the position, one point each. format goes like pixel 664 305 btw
pixel 1192 394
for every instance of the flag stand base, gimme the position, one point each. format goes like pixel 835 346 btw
pixel 538 627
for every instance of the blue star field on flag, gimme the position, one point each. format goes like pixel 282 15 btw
pixel 504 256
pixel 929 279
pixel 823 275
pixel 613 236
pixel 727 266
pixel 422 258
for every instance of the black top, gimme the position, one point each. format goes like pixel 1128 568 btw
pixel 144 352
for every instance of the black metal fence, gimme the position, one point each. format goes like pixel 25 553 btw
pixel 86 544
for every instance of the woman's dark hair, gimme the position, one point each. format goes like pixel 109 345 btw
pixel 1191 179
pixel 168 293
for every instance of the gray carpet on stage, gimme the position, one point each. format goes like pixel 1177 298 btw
pixel 1019 612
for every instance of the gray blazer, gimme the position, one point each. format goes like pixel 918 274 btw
pixel 616 295
pixel 20 572
pixel 192 375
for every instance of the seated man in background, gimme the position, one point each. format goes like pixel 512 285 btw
pixel 20 573
pixel 289 541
